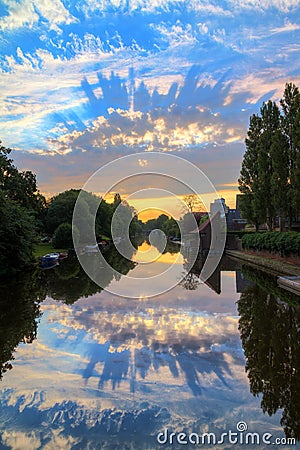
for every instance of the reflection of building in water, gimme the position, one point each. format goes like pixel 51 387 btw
pixel 241 282
pixel 192 280
pixel 214 281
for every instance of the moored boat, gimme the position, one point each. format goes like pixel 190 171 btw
pixel 50 257
pixel 62 255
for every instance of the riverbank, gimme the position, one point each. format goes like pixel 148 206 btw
pixel 273 265
pixel 44 248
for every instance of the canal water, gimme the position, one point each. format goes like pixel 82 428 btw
pixel 85 369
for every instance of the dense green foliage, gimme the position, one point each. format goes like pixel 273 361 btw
pixel 167 224
pixel 63 236
pixel 270 173
pixel 17 236
pixel 60 213
pixel 170 228
pixel 283 243
pixel 20 186
pixel 21 212
pixel 60 209
pixel 123 215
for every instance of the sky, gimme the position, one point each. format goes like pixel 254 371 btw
pixel 84 82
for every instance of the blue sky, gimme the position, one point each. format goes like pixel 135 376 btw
pixel 83 82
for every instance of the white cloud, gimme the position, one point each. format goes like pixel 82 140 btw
pixel 41 83
pixel 153 6
pixel 145 6
pixel 177 34
pixel 256 86
pixel 219 36
pixel 287 27
pixel 92 45
pixel 19 440
pixel 208 8
pixel 28 13
pixel 203 28
pixel 128 131
pixel 259 5
pixel 19 16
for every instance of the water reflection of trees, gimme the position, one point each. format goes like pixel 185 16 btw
pixel 270 333
pixel 68 282
pixel 162 246
pixel 19 313
pixel 20 298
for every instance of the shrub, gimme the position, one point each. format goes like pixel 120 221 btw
pixel 283 243
pixel 63 236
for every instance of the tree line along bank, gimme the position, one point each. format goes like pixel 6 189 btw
pixel 270 174
pixel 26 217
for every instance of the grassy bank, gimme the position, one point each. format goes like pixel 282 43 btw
pixel 44 248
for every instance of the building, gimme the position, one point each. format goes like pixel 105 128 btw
pixel 217 206
pixel 234 221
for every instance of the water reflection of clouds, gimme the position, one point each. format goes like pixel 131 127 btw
pixel 202 299
pixel 115 347
pixel 109 363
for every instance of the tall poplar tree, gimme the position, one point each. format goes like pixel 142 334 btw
pixel 280 187
pixel 270 173
pixel 249 179
pixel 264 202
pixel 290 104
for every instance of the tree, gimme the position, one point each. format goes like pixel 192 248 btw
pixel 193 203
pixel 249 173
pixel 20 205
pixel 17 236
pixel 290 104
pixel 117 200
pixel 168 225
pixel 264 202
pixel 60 209
pixel 122 218
pixel 103 219
pixel 266 178
pixel 280 187
pixel 161 220
pixel 136 225
pixel 171 228
pixel 20 186
pixel 63 236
